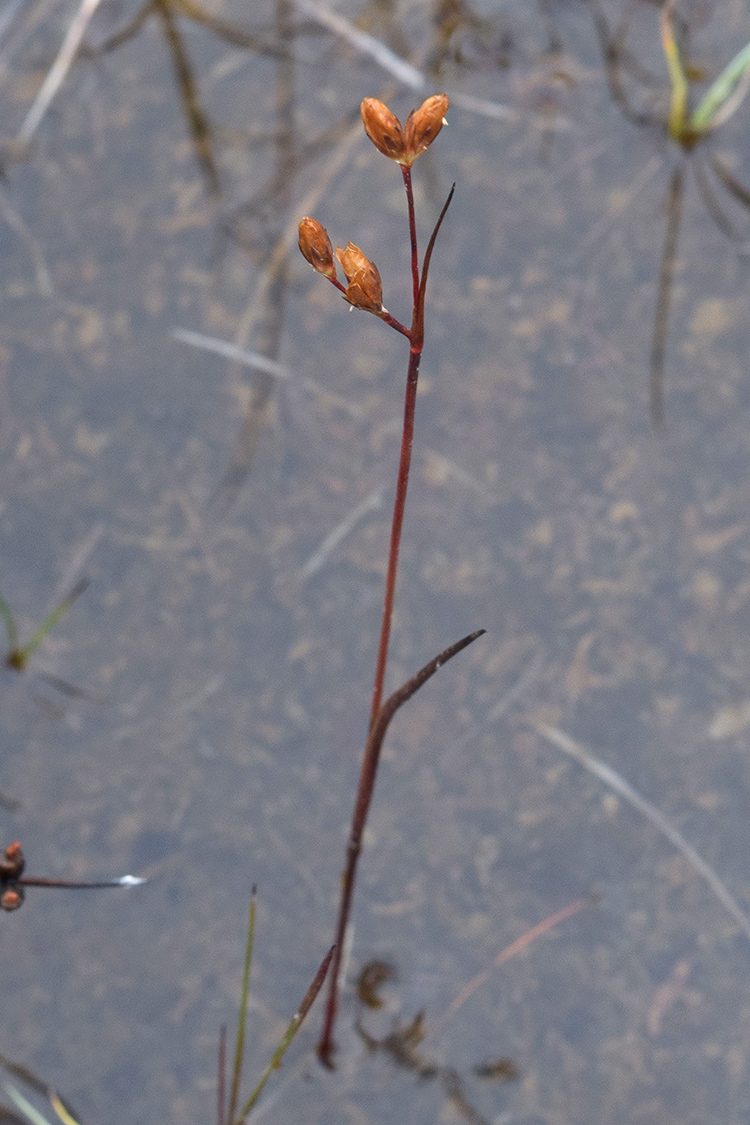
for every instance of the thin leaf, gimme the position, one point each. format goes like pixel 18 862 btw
pixel 289 1034
pixel 24 1105
pixel 733 185
pixel 677 121
pixel 61 1109
pixel 10 625
pixel 239 1047
pixel 221 1077
pixel 705 116
pixel 23 655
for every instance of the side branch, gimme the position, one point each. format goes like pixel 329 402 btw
pixel 418 330
pixel 365 791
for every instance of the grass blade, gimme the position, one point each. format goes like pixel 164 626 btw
pixel 221 1077
pixel 294 1026
pixel 10 625
pixel 678 113
pixel 19 657
pixel 239 1047
pixel 719 93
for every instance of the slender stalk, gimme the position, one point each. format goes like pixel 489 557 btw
pixel 292 1029
pixel 10 625
pixel 239 1046
pixel 19 656
pixel 416 337
pixel 364 291
pixel 397 523
pixel 362 802
pixel 78 885
pixel 221 1077
pixel 406 173
pixel 664 299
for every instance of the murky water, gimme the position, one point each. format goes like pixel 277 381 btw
pixel 230 663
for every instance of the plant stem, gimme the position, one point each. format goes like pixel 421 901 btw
pixel 239 1046
pixel 365 791
pixel 381 714
pixel 406 173
pixel 292 1029
pixel 399 505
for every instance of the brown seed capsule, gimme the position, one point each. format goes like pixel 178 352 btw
pixel 365 289
pixel 11 899
pixel 423 125
pixel 383 128
pixel 12 862
pixel 316 247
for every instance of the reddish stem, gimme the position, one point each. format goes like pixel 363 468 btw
pixel 416 337
pixel 365 790
pixel 397 523
pixel 406 173
pixel 393 323
pixel 380 715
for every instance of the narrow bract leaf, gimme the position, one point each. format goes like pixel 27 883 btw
pixel 677 121
pixel 719 93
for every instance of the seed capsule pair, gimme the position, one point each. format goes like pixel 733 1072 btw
pixel 364 289
pixel 400 143
pixel 404 143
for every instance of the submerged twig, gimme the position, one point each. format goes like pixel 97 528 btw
pixel 58 71
pixel 17 224
pixel 664 297
pixel 515 947
pixel 624 789
pixel 370 504
pixel 258 362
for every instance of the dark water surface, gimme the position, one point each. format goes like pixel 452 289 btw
pixel 231 668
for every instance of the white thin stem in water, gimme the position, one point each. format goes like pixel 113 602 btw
pixel 58 70
pixel 625 790
pixel 340 532
pixel 259 362
pixel 393 64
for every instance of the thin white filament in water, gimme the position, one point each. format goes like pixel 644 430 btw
pixel 58 70
pixel 625 790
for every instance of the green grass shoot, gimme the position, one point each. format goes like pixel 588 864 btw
pixel 232 1118
pixel 18 655
pixel 239 1047
pixel 293 1027
pixel 723 97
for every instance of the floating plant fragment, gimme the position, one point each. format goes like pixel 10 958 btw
pixel 13 881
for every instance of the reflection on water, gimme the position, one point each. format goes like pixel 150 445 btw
pixel 227 679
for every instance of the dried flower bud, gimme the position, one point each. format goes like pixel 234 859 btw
pixel 11 899
pixel 365 289
pixel 316 247
pixel 383 128
pixel 12 862
pixel 423 125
